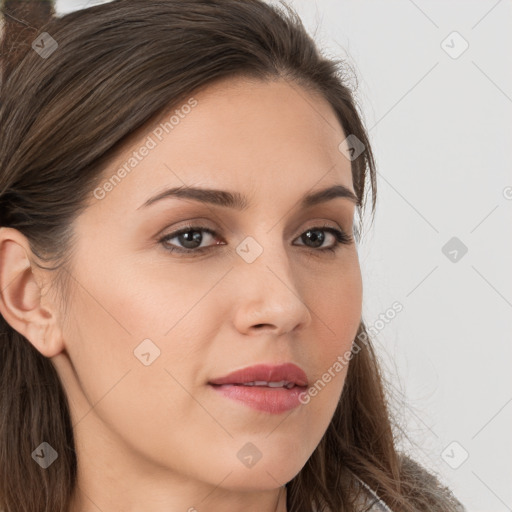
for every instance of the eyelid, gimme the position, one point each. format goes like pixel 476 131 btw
pixel 198 224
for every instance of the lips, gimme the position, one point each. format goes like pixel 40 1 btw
pixel 266 388
pixel 286 375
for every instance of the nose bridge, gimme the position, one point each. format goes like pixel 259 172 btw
pixel 265 250
pixel 270 288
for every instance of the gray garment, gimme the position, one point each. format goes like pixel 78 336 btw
pixel 370 502
pixel 377 505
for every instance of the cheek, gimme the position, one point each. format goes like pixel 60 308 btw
pixel 336 303
pixel 135 329
pixel 160 298
pixel 336 306
pixel 139 402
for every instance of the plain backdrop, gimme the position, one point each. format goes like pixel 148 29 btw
pixel 435 90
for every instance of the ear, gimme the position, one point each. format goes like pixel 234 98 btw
pixel 22 303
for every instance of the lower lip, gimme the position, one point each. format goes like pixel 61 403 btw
pixel 261 398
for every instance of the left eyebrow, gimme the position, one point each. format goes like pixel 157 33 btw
pixel 237 201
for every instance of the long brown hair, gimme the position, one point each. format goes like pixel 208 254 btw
pixel 116 67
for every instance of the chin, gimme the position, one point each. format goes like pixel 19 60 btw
pixel 262 476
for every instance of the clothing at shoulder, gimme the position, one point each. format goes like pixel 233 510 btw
pixel 372 500
pixel 376 504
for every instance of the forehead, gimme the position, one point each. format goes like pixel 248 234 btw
pixel 241 134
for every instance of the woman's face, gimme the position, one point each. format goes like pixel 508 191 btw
pixel 147 329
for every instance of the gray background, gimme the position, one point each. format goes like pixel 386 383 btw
pixel 441 132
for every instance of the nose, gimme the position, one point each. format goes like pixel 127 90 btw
pixel 270 295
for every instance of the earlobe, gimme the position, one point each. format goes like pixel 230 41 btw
pixel 21 298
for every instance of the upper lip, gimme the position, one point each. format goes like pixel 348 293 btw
pixel 264 372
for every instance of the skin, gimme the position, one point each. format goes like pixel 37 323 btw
pixel 157 437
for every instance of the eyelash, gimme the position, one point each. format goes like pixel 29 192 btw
pixel 341 238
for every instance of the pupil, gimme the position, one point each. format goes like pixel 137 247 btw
pixel 196 238
pixel 315 236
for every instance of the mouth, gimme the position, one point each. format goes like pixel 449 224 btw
pixel 281 384
pixel 266 388
pixel 275 376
